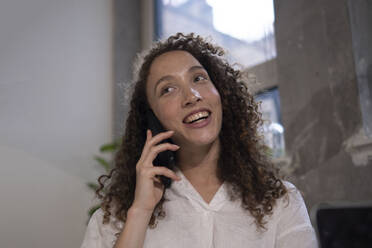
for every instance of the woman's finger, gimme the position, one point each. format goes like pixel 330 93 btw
pixel 155 150
pixel 163 171
pixel 160 137
pixel 146 147
pixel 151 141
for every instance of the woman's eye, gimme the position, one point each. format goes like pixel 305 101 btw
pixel 166 90
pixel 199 78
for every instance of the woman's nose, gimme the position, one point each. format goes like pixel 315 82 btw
pixel 191 96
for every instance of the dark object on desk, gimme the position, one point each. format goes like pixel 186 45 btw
pixel 344 226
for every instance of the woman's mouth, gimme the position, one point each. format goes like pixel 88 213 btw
pixel 198 119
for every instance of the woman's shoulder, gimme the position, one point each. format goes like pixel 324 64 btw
pixel 98 232
pixel 292 199
pixel 289 185
pixel 96 218
pixel 97 215
pixel 292 219
pixel 113 222
pixel 291 207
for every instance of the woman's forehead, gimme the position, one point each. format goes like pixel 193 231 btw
pixel 171 63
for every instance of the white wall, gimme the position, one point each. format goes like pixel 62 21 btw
pixel 55 111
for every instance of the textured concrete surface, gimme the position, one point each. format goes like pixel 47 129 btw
pixel 319 99
pixel 360 12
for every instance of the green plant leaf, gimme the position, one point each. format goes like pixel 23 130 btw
pixel 93 209
pixel 110 147
pixel 93 186
pixel 107 165
pixel 103 162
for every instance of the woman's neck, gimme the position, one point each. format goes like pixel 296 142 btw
pixel 199 164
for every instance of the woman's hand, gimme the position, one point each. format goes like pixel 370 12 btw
pixel 149 188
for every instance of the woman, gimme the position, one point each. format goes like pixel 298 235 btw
pixel 224 191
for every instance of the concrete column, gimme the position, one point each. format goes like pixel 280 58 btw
pixel 319 99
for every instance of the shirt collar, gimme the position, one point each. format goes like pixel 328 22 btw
pixel 185 189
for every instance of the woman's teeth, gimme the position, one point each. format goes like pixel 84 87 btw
pixel 194 117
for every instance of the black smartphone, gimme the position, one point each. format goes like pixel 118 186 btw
pixel 166 158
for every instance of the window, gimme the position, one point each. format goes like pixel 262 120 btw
pixel 272 129
pixel 244 27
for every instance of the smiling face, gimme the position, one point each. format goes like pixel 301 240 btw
pixel 184 99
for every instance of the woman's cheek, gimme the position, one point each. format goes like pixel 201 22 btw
pixel 169 114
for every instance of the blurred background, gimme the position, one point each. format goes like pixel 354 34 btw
pixel 65 65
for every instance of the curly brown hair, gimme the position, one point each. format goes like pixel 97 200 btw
pixel 243 162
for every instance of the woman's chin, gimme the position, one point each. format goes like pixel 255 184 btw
pixel 196 138
pixel 203 141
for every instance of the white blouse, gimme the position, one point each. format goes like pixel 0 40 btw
pixel 191 222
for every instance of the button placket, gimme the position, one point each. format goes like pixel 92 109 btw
pixel 209 222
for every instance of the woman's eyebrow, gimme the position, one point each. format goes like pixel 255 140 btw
pixel 164 78
pixel 196 67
